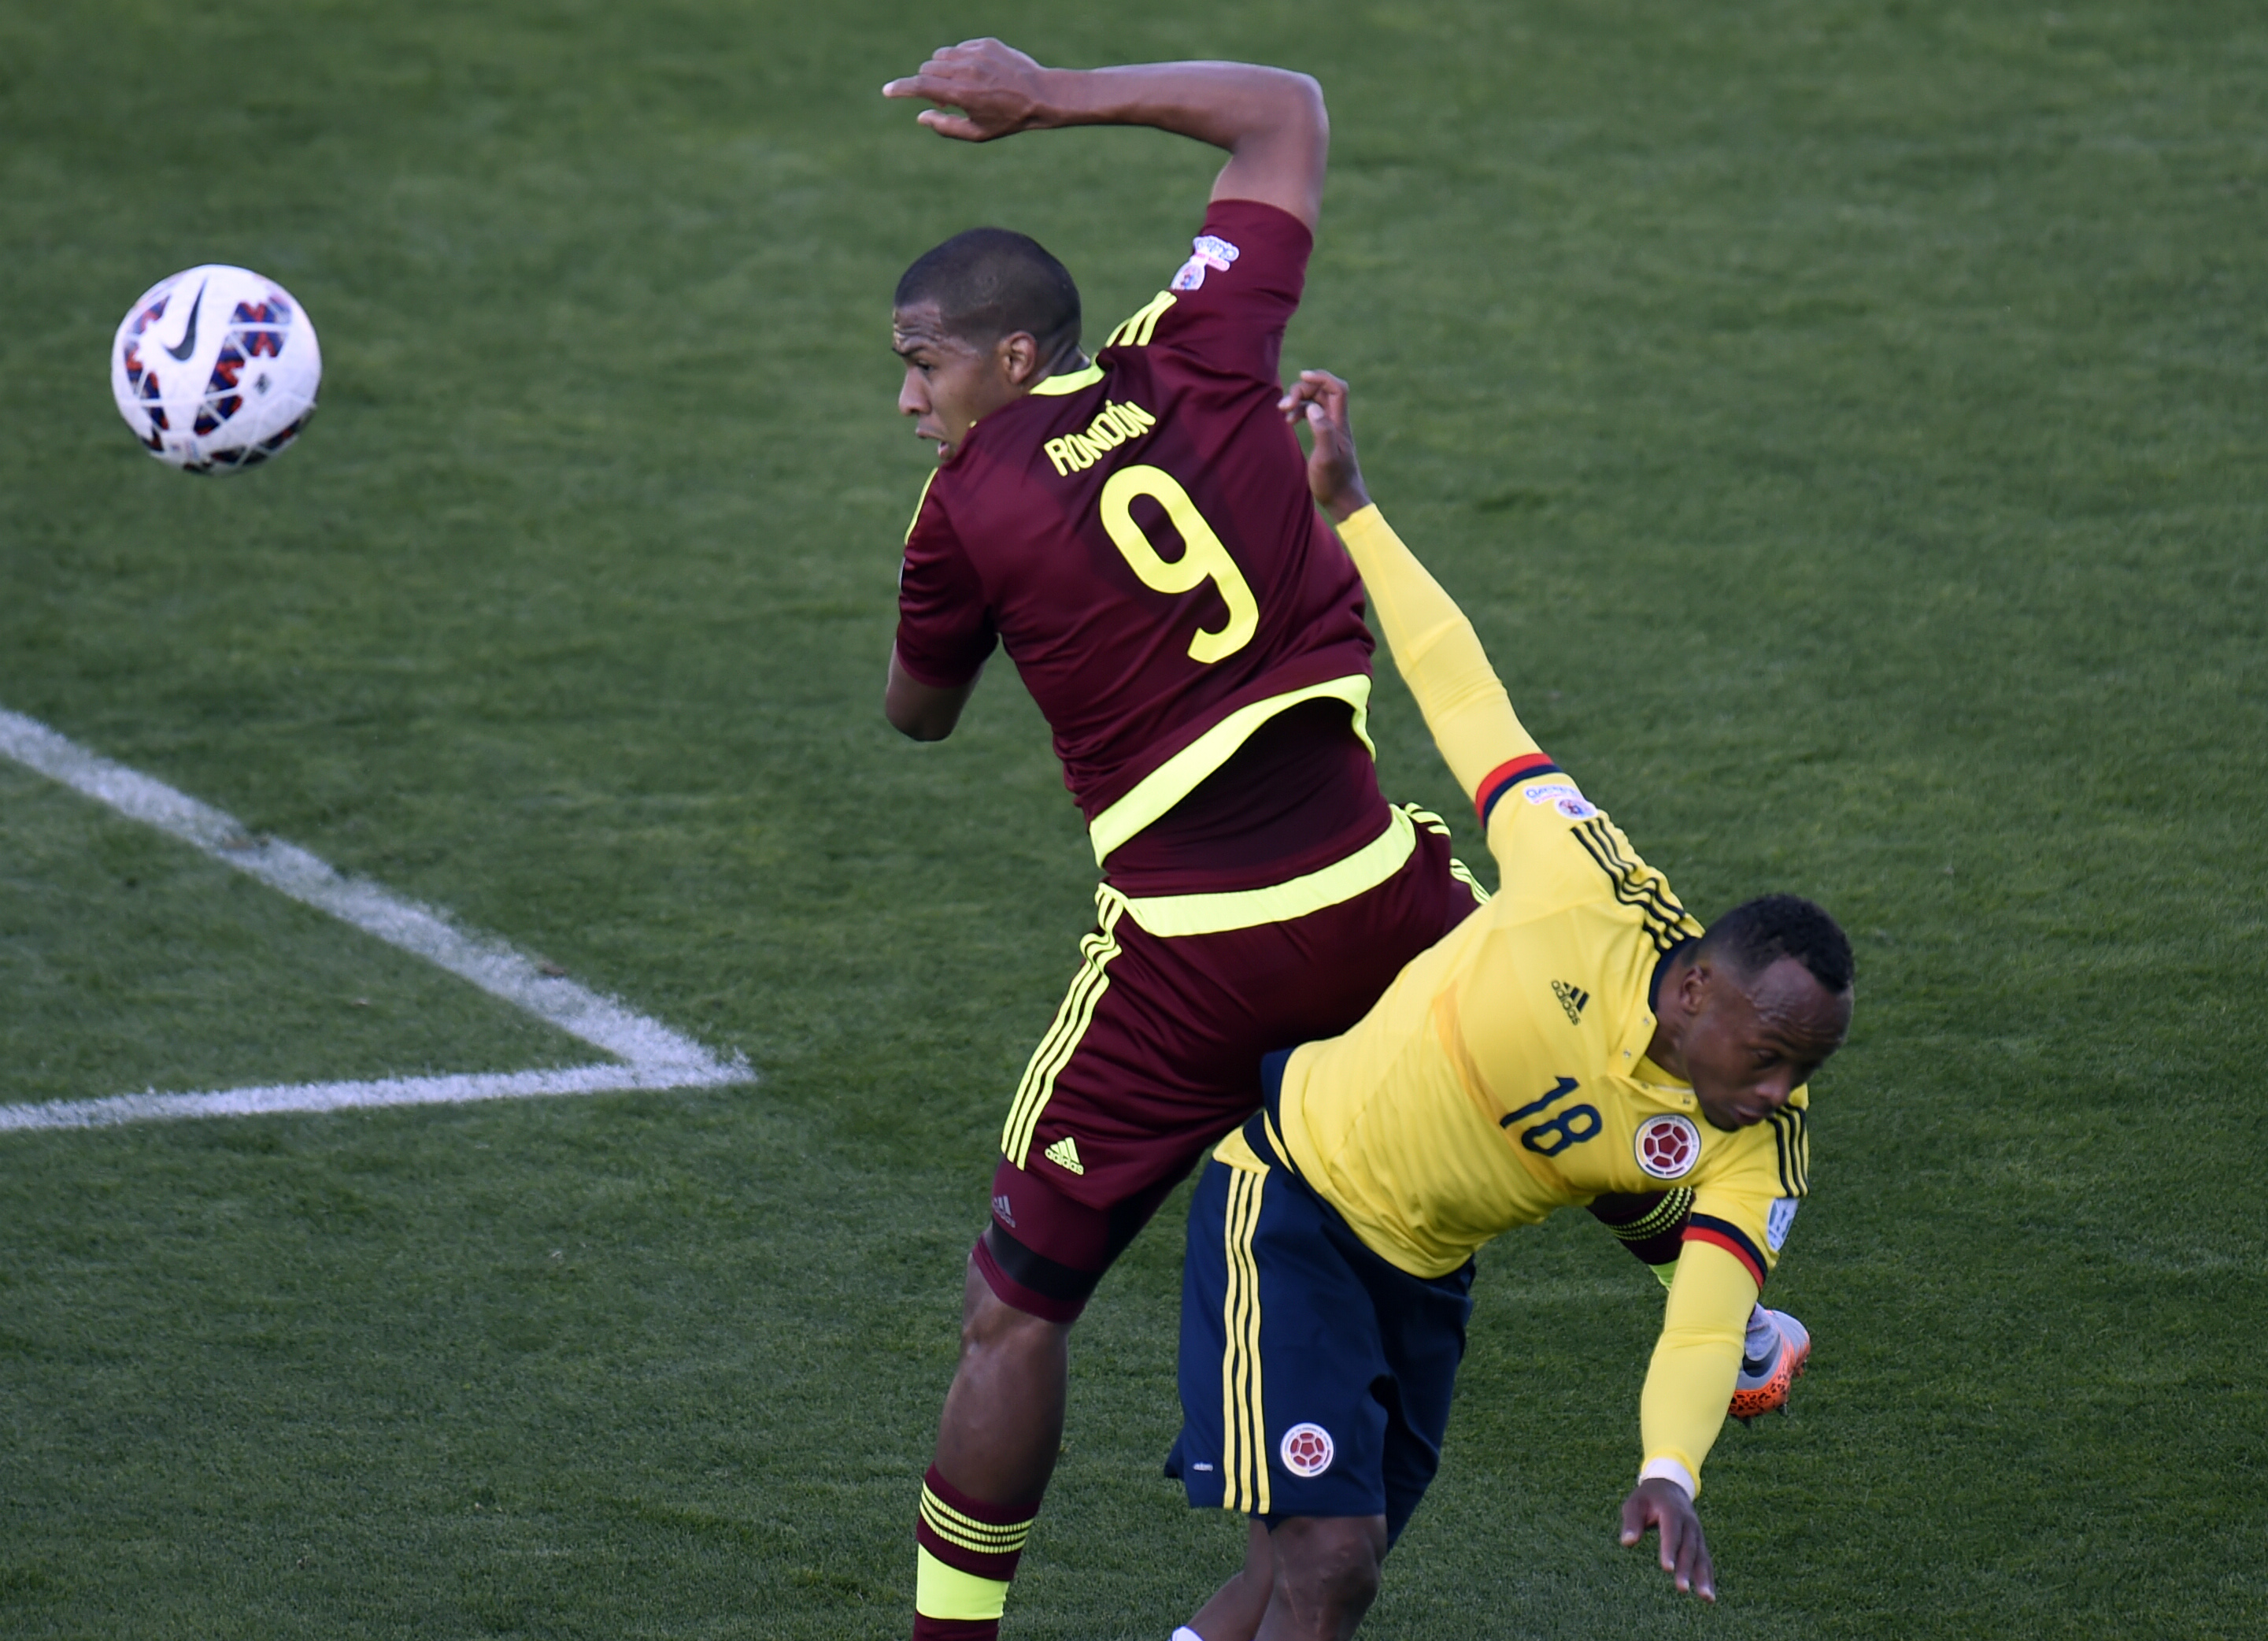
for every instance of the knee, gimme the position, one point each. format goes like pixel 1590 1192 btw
pixel 1327 1569
pixel 990 1325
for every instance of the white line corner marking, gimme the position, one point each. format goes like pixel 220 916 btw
pixel 654 1056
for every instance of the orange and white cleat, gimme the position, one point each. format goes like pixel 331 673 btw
pixel 1766 1378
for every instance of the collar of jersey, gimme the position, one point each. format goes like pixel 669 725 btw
pixel 1636 1067
pixel 1071 383
pixel 1648 1075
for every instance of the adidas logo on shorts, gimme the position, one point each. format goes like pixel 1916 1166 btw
pixel 1064 1154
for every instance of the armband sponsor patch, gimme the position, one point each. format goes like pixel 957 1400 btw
pixel 1566 799
pixel 1780 1220
pixel 1206 254
pixel 1667 1147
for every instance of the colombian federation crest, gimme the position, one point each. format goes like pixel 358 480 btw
pixel 1667 1147
pixel 1307 1450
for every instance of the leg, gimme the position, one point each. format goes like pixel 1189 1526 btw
pixel 1003 1417
pixel 1003 1422
pixel 1281 1414
pixel 996 1448
pixel 1234 1613
pixel 1326 1576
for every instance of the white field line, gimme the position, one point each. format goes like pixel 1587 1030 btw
pixel 657 1057
pixel 319 1096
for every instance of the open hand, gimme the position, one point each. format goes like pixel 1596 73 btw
pixel 1660 1503
pixel 999 90
pixel 1334 477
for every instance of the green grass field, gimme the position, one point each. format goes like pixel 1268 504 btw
pixel 1848 425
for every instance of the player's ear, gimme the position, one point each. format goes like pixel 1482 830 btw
pixel 1019 355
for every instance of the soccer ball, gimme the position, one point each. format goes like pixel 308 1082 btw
pixel 215 368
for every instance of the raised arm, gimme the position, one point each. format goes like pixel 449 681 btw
pixel 1434 646
pixel 1271 120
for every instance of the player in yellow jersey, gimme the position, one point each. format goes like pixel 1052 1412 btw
pixel 1578 1037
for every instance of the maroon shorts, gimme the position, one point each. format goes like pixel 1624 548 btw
pixel 1155 1054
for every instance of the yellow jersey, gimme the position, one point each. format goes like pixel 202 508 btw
pixel 1504 1074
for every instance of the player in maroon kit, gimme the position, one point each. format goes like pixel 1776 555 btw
pixel 1137 532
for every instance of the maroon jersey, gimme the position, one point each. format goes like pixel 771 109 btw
pixel 1139 538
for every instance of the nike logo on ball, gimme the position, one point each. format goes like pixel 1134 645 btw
pixel 189 336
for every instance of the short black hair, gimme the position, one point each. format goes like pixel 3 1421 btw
pixel 990 283
pixel 1757 934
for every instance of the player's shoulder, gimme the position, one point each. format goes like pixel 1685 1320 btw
pixel 1562 848
pixel 1235 228
pixel 929 516
pixel 1749 1185
pixel 1247 252
pixel 1551 841
pixel 1747 1170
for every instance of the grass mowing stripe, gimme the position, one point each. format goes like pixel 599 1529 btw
pixel 663 1058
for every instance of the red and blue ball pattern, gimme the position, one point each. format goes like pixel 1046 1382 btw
pixel 247 366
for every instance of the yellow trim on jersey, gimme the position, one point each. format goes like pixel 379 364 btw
pixel 1136 330
pixel 943 1592
pixel 1071 1020
pixel 1055 385
pixel 1243 1415
pixel 1179 775
pixel 1170 917
pixel 919 502
pixel 1234 1151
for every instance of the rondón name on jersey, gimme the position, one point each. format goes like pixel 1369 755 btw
pixel 1117 425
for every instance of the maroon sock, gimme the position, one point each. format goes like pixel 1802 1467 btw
pixel 968 1536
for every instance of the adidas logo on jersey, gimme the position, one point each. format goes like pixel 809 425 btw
pixel 1572 998
pixel 1064 1154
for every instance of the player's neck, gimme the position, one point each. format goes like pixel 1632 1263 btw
pixel 1667 1047
pixel 1064 364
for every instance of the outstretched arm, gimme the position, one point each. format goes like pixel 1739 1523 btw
pixel 1434 646
pixel 1695 1364
pixel 1271 120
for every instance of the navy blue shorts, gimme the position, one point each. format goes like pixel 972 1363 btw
pixel 1315 1377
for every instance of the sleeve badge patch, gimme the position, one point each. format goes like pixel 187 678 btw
pixel 1207 254
pixel 1780 1220
pixel 1564 798
pixel 1667 1147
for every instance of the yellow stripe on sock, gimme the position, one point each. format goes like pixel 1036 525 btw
pixel 943 1592
pixel 985 1538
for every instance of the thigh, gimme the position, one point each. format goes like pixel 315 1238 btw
pixel 1155 1052
pixel 1045 1251
pixel 1279 1354
pixel 1421 1325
